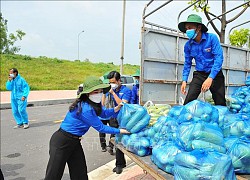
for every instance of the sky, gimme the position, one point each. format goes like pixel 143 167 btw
pixel 53 28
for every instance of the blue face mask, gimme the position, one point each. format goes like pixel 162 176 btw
pixel 191 33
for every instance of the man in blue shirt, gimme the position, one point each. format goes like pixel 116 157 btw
pixel 108 102
pixel 19 93
pixel 119 93
pixel 207 52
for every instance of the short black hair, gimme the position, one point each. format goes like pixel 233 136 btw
pixel 114 74
pixel 14 70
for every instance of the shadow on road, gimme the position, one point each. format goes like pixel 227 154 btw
pixel 10 170
pixel 39 124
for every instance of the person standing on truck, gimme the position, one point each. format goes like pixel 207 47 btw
pixel 119 93
pixel 135 89
pixel 65 144
pixel 19 93
pixel 207 52
pixel 107 102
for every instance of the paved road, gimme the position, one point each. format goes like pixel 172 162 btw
pixel 24 153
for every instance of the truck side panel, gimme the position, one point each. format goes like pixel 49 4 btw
pixel 162 59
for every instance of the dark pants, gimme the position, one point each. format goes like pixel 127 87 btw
pixel 113 123
pixel 119 155
pixel 120 159
pixel 1 175
pixel 217 88
pixel 65 149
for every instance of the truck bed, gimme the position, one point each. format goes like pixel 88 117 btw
pixel 149 167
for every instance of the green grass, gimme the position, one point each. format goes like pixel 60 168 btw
pixel 44 73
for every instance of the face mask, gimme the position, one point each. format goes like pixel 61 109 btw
pixel 96 97
pixel 113 86
pixel 11 75
pixel 191 33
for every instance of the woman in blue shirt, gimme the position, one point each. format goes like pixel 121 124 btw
pixel 65 146
pixel 206 50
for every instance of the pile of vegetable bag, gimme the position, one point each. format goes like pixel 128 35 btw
pixel 234 103
pixel 236 125
pixel 133 117
pixel 175 111
pixel 198 111
pixel 203 164
pixel 163 155
pixel 195 135
pixel 164 129
pixel 156 110
pixel 239 151
pixel 223 110
pixel 239 101
pixel 136 144
pixel 197 126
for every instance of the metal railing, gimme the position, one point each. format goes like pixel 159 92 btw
pixel 236 27
pixel 228 12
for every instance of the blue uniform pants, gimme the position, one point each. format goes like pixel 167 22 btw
pixel 19 111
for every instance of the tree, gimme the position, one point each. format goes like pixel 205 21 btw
pixel 240 37
pixel 204 7
pixel 7 41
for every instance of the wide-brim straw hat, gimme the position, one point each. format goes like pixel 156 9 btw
pixel 192 18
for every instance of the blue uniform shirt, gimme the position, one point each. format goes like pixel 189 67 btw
pixel 135 95
pixel 123 93
pixel 79 124
pixel 208 55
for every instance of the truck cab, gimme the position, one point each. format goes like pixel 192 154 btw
pixel 128 81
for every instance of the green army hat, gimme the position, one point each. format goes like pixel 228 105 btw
pixel 92 83
pixel 105 78
pixel 192 18
pixel 137 73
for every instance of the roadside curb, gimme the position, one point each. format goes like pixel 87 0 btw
pixel 39 103
pixel 105 172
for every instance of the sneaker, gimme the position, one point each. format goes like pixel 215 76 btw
pixel 110 150
pixel 118 170
pixel 18 126
pixel 26 126
pixel 104 149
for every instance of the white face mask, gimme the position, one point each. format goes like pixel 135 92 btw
pixel 96 97
pixel 113 86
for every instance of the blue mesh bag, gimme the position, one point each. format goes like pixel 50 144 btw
pixel 240 155
pixel 202 164
pixel 163 155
